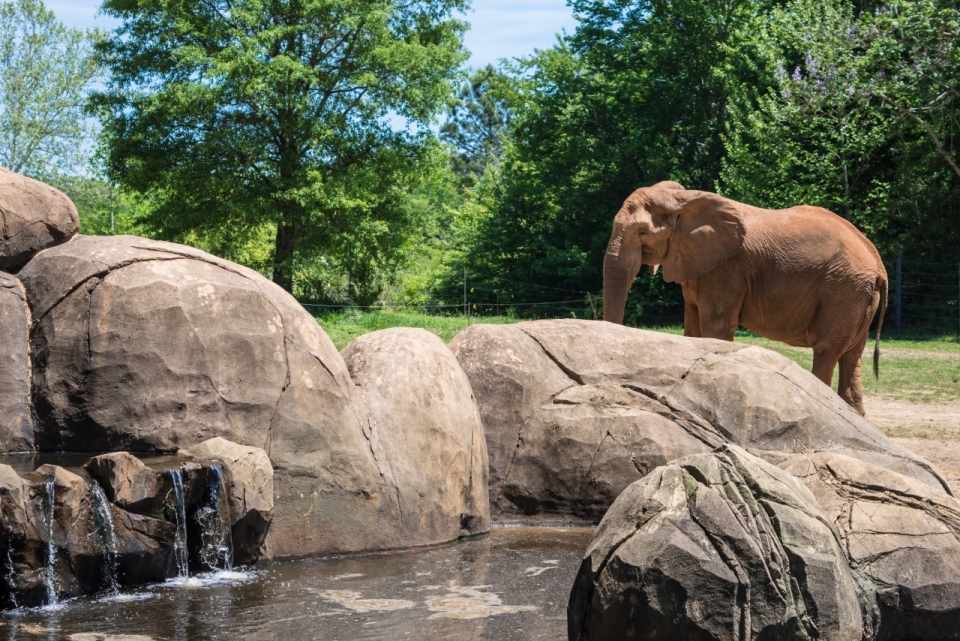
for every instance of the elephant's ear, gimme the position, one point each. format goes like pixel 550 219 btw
pixel 709 231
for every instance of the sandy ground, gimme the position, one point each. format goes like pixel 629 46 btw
pixel 931 430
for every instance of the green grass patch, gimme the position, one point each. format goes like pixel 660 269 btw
pixel 923 370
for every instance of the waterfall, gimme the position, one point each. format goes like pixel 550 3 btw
pixel 106 534
pixel 53 589
pixel 11 581
pixel 180 542
pixel 216 550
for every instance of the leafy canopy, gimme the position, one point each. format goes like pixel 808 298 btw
pixel 241 117
pixel 45 69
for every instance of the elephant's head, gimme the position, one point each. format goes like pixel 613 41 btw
pixel 685 232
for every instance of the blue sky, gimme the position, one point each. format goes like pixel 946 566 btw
pixel 500 28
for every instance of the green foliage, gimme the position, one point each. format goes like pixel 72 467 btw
pixel 476 126
pixel 103 209
pixel 245 116
pixel 45 69
pixel 636 95
pixel 862 121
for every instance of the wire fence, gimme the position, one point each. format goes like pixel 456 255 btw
pixel 924 297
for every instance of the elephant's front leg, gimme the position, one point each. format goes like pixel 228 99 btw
pixel 691 320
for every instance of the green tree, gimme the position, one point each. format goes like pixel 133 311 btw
pixel 476 126
pixel 638 94
pixel 862 120
pixel 241 115
pixel 45 70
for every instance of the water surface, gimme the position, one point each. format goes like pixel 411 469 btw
pixel 510 585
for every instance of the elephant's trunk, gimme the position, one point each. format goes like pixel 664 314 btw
pixel 620 267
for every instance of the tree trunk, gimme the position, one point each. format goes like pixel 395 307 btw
pixel 283 254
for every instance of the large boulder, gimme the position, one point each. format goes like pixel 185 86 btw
pixel 901 537
pixel 574 411
pixel 249 484
pixel 720 546
pixel 33 216
pixel 128 483
pixel 16 422
pixel 423 409
pixel 149 346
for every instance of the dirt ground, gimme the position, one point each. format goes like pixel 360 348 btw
pixel 929 429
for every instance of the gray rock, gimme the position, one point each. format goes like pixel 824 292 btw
pixel 33 216
pixel 423 410
pixel 574 411
pixel 128 483
pixel 148 346
pixel 901 537
pixel 249 481
pixel 16 421
pixel 715 546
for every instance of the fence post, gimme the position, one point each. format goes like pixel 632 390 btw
pixel 465 291
pixel 899 292
pixel 958 303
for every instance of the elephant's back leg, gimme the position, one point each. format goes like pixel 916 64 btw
pixel 850 386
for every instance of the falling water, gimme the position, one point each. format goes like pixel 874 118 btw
pixel 107 536
pixel 50 569
pixel 180 542
pixel 216 551
pixel 11 581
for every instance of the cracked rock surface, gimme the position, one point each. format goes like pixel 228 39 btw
pixel 423 410
pixel 149 346
pixel 901 538
pixel 575 411
pixel 33 216
pixel 16 422
pixel 720 546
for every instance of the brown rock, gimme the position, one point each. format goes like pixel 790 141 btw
pixel 16 422
pixel 423 410
pixel 902 538
pixel 574 411
pixel 33 216
pixel 249 482
pixel 128 483
pixel 148 346
pixel 715 546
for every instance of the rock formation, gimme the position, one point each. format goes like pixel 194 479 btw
pixel 715 546
pixel 574 411
pixel 249 483
pixel 131 522
pixel 149 346
pixel 408 377
pixel 16 423
pixel 901 537
pixel 33 216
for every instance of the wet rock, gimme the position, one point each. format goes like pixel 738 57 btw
pixel 148 346
pixel 25 546
pixel 33 216
pixel 715 546
pixel 574 411
pixel 16 422
pixel 901 537
pixel 59 507
pixel 128 483
pixel 249 483
pixel 423 411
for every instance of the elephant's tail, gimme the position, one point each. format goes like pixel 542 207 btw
pixel 882 285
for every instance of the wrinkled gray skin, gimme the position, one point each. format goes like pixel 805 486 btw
pixel 575 411
pixel 719 546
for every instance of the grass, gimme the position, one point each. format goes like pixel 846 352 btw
pixel 917 370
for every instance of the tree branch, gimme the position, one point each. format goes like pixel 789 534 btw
pixel 926 127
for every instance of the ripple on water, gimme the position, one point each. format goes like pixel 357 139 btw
pixel 511 585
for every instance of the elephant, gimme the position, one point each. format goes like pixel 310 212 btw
pixel 802 276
